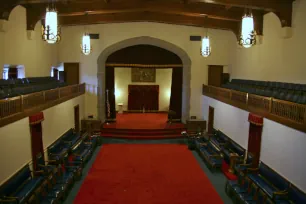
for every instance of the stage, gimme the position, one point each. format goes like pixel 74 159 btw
pixel 142 126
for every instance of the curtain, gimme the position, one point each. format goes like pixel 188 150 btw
pixel 36 142
pixel 176 93
pixel 254 143
pixel 36 136
pixel 110 104
pixel 143 96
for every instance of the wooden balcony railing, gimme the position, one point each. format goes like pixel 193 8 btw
pixel 284 112
pixel 16 105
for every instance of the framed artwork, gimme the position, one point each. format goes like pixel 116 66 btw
pixel 143 75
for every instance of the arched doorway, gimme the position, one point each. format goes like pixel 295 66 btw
pixel 102 60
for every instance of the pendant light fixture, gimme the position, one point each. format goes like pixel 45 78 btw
pixel 205 47
pixel 86 44
pixel 248 34
pixel 51 30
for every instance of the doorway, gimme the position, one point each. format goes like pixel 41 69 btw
pixel 77 118
pixel 211 115
pixel 215 75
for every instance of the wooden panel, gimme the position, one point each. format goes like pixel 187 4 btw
pixel 71 71
pixel 195 125
pixel 287 113
pixel 215 75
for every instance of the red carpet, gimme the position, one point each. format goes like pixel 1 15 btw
pixel 143 121
pixel 146 174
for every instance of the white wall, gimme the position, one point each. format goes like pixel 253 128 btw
pixel 282 148
pixel 16 49
pixel 123 78
pixel 276 59
pixel 69 51
pixel 15 138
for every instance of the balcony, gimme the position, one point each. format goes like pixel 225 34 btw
pixel 287 113
pixel 16 108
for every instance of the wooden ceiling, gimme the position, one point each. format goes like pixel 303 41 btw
pixel 218 14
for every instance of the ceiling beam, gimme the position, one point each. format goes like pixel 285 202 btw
pixel 35 12
pixel 282 8
pixel 6 7
pixel 151 17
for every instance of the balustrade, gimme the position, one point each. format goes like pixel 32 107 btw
pixel 11 106
pixel 288 113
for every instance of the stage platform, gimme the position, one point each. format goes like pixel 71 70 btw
pixel 142 126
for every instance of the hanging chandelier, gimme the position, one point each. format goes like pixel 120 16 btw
pixel 86 46
pixel 248 34
pixel 51 30
pixel 205 47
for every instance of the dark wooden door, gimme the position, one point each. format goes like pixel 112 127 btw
pixel 71 71
pixel 13 73
pixel 211 116
pixel 215 73
pixel 77 118
pixel 55 74
pixel 143 97
pixel 36 142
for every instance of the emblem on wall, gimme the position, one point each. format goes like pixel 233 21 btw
pixel 143 75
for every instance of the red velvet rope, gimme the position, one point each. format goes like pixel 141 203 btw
pixel 255 119
pixel 37 118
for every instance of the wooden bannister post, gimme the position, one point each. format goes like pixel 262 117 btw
pixel 247 99
pixel 270 105
pixel 21 103
pixel 44 94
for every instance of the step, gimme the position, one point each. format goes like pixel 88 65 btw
pixel 141 132
pixel 145 137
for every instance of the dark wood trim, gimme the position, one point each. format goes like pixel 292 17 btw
pixel 26 113
pixel 218 94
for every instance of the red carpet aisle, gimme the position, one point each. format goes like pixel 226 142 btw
pixel 146 174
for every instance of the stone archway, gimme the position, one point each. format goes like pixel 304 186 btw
pixel 144 40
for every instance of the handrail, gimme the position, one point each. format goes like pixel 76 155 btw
pixel 285 112
pixel 19 104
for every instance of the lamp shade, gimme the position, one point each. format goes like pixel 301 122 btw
pixel 86 46
pixel 51 27
pixel 205 48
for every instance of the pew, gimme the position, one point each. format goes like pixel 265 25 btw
pixel 20 187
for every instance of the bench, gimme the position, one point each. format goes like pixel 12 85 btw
pixel 271 183
pixel 20 187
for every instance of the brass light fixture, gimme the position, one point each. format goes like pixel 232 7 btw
pixel 248 35
pixel 86 47
pixel 51 30
pixel 205 47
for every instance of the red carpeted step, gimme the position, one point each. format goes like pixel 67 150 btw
pixel 146 173
pixel 142 137
pixel 132 132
